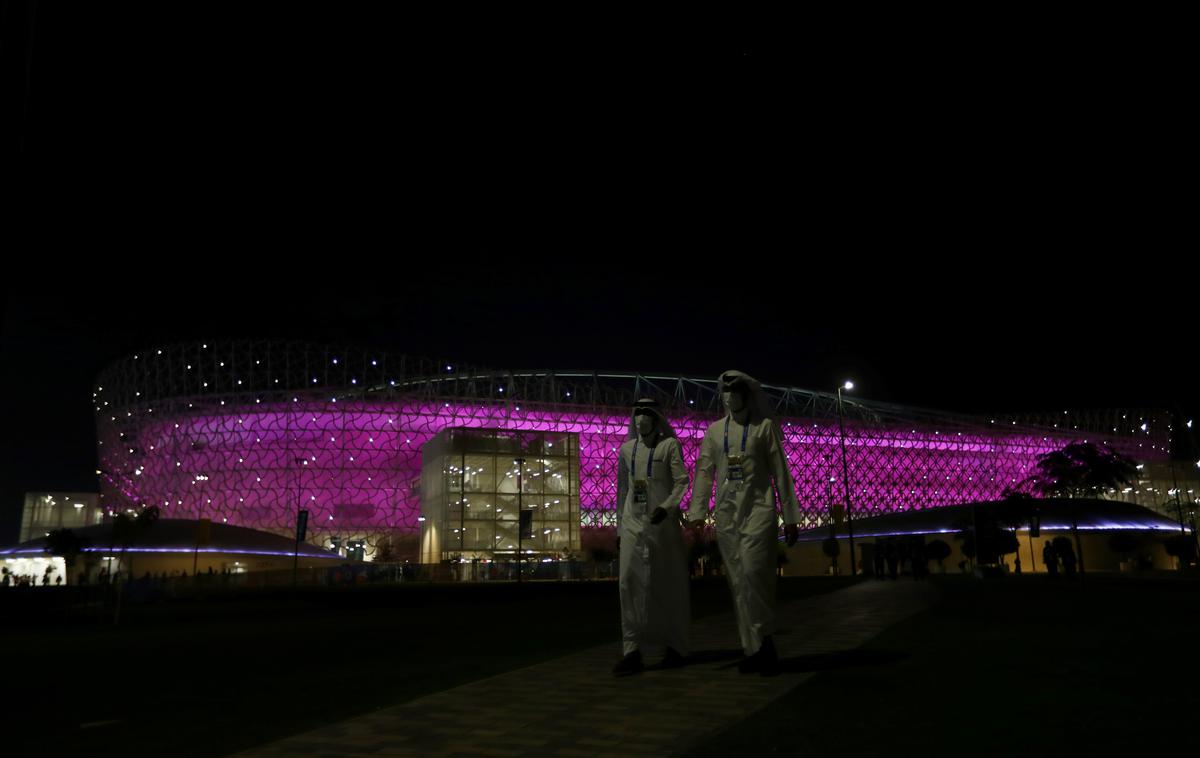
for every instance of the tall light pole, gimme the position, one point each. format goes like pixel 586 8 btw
pixel 520 510
pixel 846 478
pixel 1195 535
pixel 299 503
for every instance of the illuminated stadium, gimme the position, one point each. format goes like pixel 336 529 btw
pixel 250 432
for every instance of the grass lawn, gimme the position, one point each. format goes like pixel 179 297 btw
pixel 210 676
pixel 1019 665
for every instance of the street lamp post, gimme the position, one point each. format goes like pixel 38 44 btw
pixel 1178 501
pixel 829 480
pixel 846 478
pixel 299 502
pixel 520 509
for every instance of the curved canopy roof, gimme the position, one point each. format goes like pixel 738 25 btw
pixel 180 536
pixel 1055 514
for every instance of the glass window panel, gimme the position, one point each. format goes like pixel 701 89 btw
pixel 534 445
pixel 507 443
pixel 506 474
pixel 557 444
pixel 557 476
pixel 532 484
pixel 506 507
pixel 559 535
pixel 481 506
pixel 479 535
pixel 506 535
pixel 450 481
pixel 479 473
pixel 558 507
pixel 483 441
pixel 531 443
pixel 536 542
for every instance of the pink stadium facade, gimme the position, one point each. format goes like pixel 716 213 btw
pixel 248 433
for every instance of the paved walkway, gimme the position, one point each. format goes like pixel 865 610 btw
pixel 573 706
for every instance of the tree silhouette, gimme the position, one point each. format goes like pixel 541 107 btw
pixel 1081 469
pixel 831 549
pixel 938 550
pixel 67 545
pixel 1181 546
pixel 127 530
pixel 1123 543
pixel 384 552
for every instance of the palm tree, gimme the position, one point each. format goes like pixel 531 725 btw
pixel 1015 511
pixel 126 530
pixel 1081 469
pixel 67 545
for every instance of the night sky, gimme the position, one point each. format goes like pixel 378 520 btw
pixel 958 222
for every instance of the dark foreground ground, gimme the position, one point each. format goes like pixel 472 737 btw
pixel 214 675
pixel 1016 666
pixel 1019 665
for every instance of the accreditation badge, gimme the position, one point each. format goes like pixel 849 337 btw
pixel 736 470
pixel 641 496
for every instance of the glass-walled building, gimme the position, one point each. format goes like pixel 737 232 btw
pixel 489 493
pixel 46 511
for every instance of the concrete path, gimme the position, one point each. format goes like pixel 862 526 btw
pixel 573 707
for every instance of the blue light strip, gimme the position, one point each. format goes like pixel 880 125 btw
pixel 232 551
pixel 811 537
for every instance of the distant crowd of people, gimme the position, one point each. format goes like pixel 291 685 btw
pixel 906 555
pixel 52 578
pixel 896 555
pixel 48 579
pixel 1054 553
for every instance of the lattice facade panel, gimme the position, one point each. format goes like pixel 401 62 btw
pixel 253 455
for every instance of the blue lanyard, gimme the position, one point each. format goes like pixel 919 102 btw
pixel 633 461
pixel 745 431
